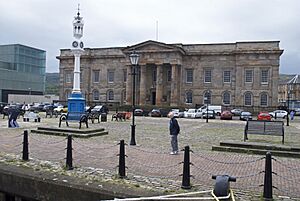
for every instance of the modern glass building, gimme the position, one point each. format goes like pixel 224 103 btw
pixel 22 70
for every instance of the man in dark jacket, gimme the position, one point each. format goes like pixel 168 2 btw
pixel 174 131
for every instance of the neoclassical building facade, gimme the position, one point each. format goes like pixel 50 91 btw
pixel 229 74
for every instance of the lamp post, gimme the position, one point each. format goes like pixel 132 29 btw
pixel 288 104
pixel 206 100
pixel 134 59
pixel 29 95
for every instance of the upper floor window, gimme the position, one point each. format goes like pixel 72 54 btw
pixel 248 99
pixel 249 76
pixel 169 75
pixel 95 95
pixel 226 98
pixel 154 75
pixel 68 77
pixel 189 97
pixel 264 99
pixel 189 75
pixel 207 76
pixel 264 76
pixel 207 98
pixel 110 76
pixel 96 76
pixel 227 76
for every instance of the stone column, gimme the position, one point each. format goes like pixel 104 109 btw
pixel 143 82
pixel 129 86
pixel 159 84
pixel 174 86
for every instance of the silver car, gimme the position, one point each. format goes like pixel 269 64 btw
pixel 246 116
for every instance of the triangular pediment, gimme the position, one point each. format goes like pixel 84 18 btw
pixel 153 46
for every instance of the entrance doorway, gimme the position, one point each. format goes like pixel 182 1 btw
pixel 153 98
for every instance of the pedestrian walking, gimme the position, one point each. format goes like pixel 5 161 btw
pixel 174 131
pixel 13 114
pixel 292 114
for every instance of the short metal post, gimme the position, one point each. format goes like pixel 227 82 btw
pixel 122 167
pixel 186 184
pixel 268 191
pixel 69 159
pixel 25 155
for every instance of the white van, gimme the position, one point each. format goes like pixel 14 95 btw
pixel 216 108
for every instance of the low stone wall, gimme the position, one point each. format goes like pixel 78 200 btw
pixel 28 184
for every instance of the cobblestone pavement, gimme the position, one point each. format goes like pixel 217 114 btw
pixel 149 163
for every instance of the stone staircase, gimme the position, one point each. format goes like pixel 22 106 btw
pixel 81 133
pixel 255 148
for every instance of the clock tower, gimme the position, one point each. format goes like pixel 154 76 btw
pixel 76 103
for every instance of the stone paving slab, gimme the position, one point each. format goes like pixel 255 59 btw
pixel 149 163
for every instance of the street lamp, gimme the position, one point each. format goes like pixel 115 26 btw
pixel 29 95
pixel 206 100
pixel 134 59
pixel 288 104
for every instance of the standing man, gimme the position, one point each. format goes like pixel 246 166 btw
pixel 174 131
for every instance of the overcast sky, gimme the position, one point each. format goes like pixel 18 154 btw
pixel 47 24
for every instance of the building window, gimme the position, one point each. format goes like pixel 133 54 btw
pixel 154 75
pixel 248 99
pixel 207 98
pixel 264 99
pixel 125 75
pixel 227 76
pixel 68 77
pixel 207 76
pixel 95 95
pixel 189 97
pixel 110 76
pixel 249 76
pixel 189 75
pixel 264 76
pixel 169 74
pixel 226 98
pixel 96 76
pixel 110 95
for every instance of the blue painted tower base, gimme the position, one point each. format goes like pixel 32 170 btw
pixel 76 106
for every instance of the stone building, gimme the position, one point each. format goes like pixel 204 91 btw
pixel 289 86
pixel 229 74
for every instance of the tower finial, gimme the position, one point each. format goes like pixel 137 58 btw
pixel 78 13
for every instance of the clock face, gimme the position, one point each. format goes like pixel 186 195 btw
pixel 75 44
pixel 81 44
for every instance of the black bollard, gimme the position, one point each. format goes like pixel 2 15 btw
pixel 122 167
pixel 25 155
pixel 268 191
pixel 186 184
pixel 69 162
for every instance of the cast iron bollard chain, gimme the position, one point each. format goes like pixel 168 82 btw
pixel 25 155
pixel 186 183
pixel 122 167
pixel 69 162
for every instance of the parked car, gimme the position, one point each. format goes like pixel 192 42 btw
pixel 264 116
pixel 61 109
pixel 279 114
pixel 246 116
pixel 193 113
pixel 226 115
pixel 209 114
pixel 155 113
pixel 236 112
pixel 216 108
pixel 138 112
pixel 297 111
pixel 175 112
